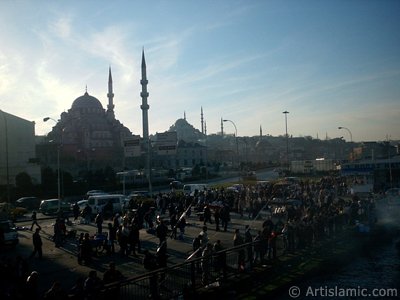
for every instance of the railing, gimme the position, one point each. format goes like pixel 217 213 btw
pixel 171 282
pixel 196 273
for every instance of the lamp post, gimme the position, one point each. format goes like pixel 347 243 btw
pixel 348 130
pixel 236 138
pixel 58 168
pixel 6 149
pixel 287 139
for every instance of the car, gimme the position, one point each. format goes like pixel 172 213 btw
pixel 94 193
pixel 50 206
pixel 31 203
pixel 193 188
pixel 9 231
pixel 10 211
pixel 176 184
pixel 81 204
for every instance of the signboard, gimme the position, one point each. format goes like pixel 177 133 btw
pixel 166 143
pixel 132 146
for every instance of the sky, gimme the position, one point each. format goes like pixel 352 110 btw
pixel 329 64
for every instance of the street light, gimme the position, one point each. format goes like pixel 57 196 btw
pixel 287 139
pixel 348 130
pixel 236 138
pixel 58 168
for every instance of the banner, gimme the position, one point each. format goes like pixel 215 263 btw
pixel 132 146
pixel 166 143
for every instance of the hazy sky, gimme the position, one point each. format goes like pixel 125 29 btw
pixel 329 63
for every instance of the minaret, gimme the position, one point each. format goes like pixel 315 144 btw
pixel 110 95
pixel 222 128
pixel 260 131
pixel 145 107
pixel 184 115
pixel 202 121
pixel 205 128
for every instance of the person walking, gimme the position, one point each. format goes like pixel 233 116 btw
pixel 37 244
pixel 34 220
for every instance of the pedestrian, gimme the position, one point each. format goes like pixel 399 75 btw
pixel 123 239
pixel 99 222
pixel 206 264
pixel 217 215
pixel 248 239
pixel 197 251
pixel 161 255
pixel 77 291
pixel 225 217
pixel 92 286
pixel 204 237
pixel 150 264
pixel 112 274
pixel 86 249
pixel 31 286
pixel 112 236
pixel 257 247
pixel 133 239
pixel 173 222
pixel 238 241
pixel 75 211
pixel 181 225
pixel 34 220
pixel 161 231
pixel 59 232
pixel 37 244
pixel 87 214
pixel 207 215
pixel 56 292
pixel 219 258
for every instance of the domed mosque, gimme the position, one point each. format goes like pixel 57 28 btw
pixel 90 136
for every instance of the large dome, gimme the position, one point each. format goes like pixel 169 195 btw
pixel 86 101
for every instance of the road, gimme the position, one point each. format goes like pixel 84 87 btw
pixel 61 263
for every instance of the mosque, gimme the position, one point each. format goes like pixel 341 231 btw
pixel 89 137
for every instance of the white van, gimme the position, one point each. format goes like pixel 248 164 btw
pixel 97 202
pixel 189 189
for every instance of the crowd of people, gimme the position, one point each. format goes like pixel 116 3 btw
pixel 297 214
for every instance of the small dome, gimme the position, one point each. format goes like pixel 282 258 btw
pixel 86 101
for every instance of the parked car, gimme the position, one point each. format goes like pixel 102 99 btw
pixel 94 193
pixel 81 204
pixel 176 185
pixel 31 203
pixel 10 211
pixel 50 206
pixel 97 202
pixel 190 189
pixel 9 232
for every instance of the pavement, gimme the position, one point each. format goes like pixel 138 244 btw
pixel 61 263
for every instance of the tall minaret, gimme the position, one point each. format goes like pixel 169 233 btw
pixel 110 95
pixel 145 107
pixel 202 121
pixel 222 128
pixel 260 131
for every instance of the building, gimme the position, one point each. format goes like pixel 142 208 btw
pixel 88 136
pixel 17 150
